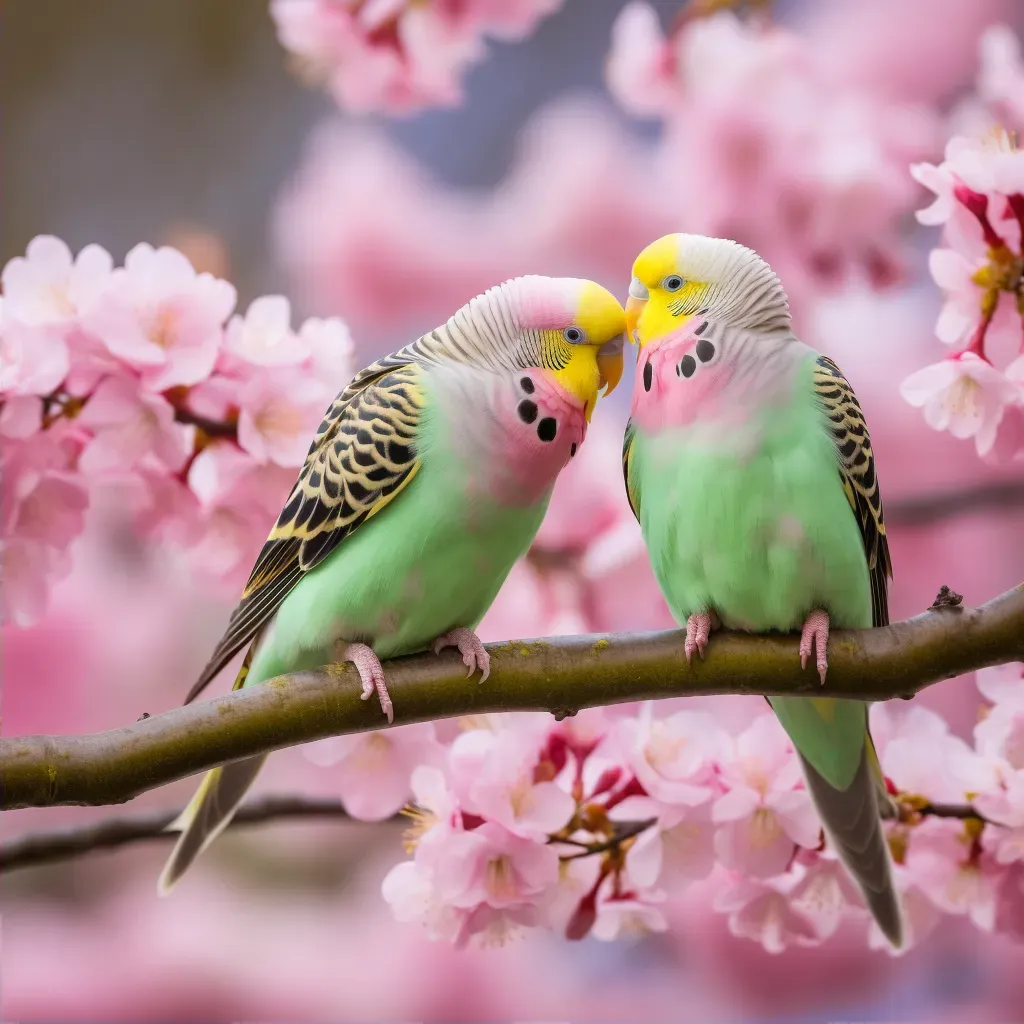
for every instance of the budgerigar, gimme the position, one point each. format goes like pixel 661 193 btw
pixel 749 466
pixel 427 479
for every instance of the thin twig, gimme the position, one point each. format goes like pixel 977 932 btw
pixel 963 812
pixel 54 845
pixel 45 847
pixel 933 508
pixel 623 831
pixel 212 428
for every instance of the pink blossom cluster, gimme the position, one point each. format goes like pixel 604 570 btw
pixel 767 140
pixel 593 825
pixel 398 56
pixel 139 379
pixel 978 390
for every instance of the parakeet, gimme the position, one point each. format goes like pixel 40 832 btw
pixel 749 467
pixel 427 479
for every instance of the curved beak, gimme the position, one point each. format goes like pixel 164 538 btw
pixel 638 296
pixel 609 363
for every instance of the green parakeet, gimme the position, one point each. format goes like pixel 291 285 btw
pixel 428 477
pixel 749 466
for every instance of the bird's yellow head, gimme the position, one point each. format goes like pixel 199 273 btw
pixel 680 276
pixel 580 327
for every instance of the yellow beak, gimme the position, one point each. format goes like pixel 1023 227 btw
pixel 634 307
pixel 609 363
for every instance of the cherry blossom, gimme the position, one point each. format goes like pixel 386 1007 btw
pixel 641 65
pixel 372 771
pixel 33 359
pixel 825 893
pixel 42 510
pixel 264 335
pixel 762 912
pixel 918 752
pixel 162 318
pixel 330 349
pixel 954 871
pixel 673 758
pixel 965 395
pixel 629 915
pixel 409 890
pixel 678 850
pixel 765 812
pixel 397 55
pixel 127 426
pixel 279 414
pixel 1001 76
pixel 496 776
pixel 999 738
pixel 200 424
pixel 773 124
pixel 20 415
pixel 485 882
pixel 1010 903
pixel 491 865
pixel 1002 683
pixel 47 286
pixel 238 503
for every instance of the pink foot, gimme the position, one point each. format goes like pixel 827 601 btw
pixel 814 636
pixel 698 629
pixel 371 674
pixel 474 656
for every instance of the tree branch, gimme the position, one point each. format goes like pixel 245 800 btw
pixel 559 675
pixel 54 845
pixel 933 508
pixel 45 847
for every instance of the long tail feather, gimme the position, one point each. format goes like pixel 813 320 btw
pixel 886 805
pixel 852 820
pixel 209 812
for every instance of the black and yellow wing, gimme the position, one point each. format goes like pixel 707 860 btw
pixel 363 454
pixel 627 461
pixel 845 421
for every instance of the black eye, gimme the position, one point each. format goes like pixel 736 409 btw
pixel 573 335
pixel 672 283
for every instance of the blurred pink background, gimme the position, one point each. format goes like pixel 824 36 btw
pixel 178 121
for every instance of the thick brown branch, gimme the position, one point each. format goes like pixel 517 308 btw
pixel 64 843
pixel 560 675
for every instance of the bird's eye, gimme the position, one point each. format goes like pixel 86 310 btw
pixel 573 335
pixel 672 283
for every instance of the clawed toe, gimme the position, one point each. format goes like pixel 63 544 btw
pixel 814 636
pixel 371 675
pixel 698 631
pixel 474 654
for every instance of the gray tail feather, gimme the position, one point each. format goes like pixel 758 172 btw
pixel 209 812
pixel 853 823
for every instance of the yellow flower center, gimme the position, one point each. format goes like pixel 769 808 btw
pixel 501 878
pixel 764 828
pixel 164 328
pixel 279 417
